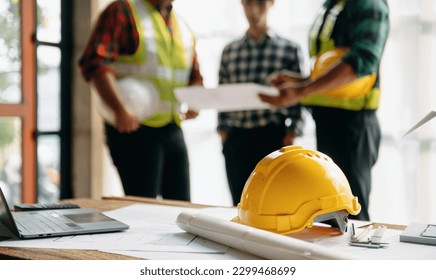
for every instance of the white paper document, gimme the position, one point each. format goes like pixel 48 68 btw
pixel 424 120
pixel 317 246
pixel 226 97
pixel 152 228
pixel 255 241
pixel 172 233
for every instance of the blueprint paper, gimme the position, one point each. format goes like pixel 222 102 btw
pixel 255 241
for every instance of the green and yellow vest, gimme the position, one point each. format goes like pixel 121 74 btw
pixel 371 100
pixel 162 58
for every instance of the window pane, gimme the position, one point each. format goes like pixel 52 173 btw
pixel 48 169
pixel 49 21
pixel 10 62
pixel 10 159
pixel 49 59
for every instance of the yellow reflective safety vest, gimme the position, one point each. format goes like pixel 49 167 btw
pixel 163 58
pixel 323 33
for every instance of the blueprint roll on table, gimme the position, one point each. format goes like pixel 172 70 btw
pixel 255 241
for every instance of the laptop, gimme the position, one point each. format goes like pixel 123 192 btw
pixel 50 223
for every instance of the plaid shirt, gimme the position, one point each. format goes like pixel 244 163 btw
pixel 115 34
pixel 246 60
pixel 363 26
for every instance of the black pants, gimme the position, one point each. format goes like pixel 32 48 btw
pixel 243 149
pixel 352 140
pixel 151 161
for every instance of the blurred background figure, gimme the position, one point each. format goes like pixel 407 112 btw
pixel 248 136
pixel 347 128
pixel 145 42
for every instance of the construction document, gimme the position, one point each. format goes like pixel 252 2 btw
pixel 255 241
pixel 152 228
pixel 319 242
pixel 154 234
pixel 226 97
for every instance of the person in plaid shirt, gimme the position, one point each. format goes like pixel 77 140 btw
pixel 248 136
pixel 144 40
pixel 347 129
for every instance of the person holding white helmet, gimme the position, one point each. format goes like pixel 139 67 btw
pixel 144 45
pixel 347 128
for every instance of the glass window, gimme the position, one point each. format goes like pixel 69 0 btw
pixel 48 168
pixel 10 61
pixel 48 21
pixel 49 59
pixel 10 158
pixel 49 51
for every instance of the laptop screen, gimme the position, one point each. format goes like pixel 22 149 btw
pixel 6 216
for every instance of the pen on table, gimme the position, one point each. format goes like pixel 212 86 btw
pixel 353 232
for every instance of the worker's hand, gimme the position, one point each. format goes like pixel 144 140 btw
pixel 290 87
pixel 289 138
pixel 288 96
pixel 190 114
pixel 125 122
pixel 280 79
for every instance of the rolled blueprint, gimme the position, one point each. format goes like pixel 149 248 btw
pixel 258 242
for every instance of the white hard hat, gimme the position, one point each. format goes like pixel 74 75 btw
pixel 140 97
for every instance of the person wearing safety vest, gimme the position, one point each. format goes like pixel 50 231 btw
pixel 347 127
pixel 146 41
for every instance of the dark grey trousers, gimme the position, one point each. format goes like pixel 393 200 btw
pixel 352 140
pixel 244 148
pixel 151 161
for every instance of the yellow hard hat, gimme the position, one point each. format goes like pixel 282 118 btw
pixel 292 188
pixel 354 89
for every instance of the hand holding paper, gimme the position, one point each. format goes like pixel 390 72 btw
pixel 289 84
pixel 282 78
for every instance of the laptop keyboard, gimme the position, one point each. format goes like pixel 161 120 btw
pixel 45 222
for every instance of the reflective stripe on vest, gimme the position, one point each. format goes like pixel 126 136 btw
pixel 326 42
pixel 370 100
pixel 160 58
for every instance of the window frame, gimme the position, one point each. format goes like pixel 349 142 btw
pixel 64 132
pixel 27 109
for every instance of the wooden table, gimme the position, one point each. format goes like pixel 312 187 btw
pixel 105 204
